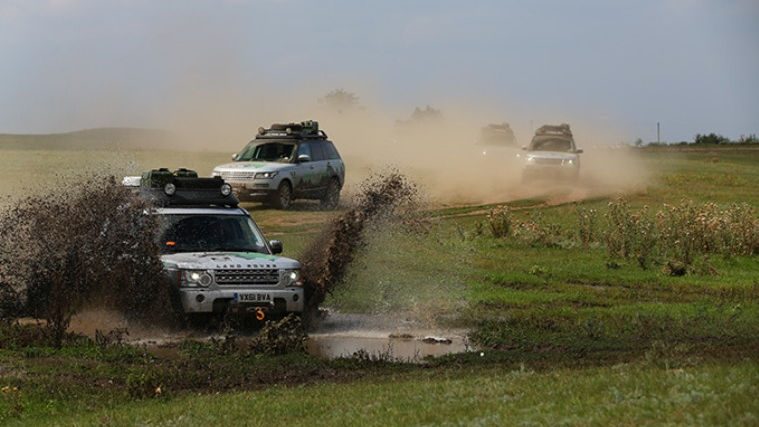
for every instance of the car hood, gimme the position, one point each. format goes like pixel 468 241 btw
pixel 221 260
pixel 559 155
pixel 252 166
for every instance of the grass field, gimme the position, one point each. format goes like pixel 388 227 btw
pixel 570 334
pixel 623 394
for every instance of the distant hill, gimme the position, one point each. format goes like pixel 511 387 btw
pixel 91 139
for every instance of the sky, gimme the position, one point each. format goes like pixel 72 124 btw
pixel 690 64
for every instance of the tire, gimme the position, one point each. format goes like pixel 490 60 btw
pixel 331 195
pixel 283 197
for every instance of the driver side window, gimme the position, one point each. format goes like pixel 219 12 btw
pixel 305 148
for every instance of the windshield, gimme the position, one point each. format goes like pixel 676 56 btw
pixel 551 144
pixel 267 152
pixel 211 233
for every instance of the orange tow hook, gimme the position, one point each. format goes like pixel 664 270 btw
pixel 260 315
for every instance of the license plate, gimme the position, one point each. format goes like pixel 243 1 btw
pixel 253 297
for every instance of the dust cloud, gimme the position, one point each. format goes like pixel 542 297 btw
pixel 440 153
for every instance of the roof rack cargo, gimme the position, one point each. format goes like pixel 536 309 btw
pixel 183 187
pixel 562 129
pixel 497 134
pixel 306 129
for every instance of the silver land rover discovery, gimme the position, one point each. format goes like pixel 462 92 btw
pixel 286 162
pixel 214 252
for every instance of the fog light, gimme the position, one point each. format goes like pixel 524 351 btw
pixel 200 298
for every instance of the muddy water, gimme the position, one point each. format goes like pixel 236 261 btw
pixel 384 346
pixel 337 335
pixel 344 335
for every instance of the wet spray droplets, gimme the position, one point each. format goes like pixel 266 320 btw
pixel 327 259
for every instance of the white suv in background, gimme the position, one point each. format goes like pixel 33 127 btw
pixel 286 162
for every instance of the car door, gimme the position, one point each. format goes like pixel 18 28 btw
pixel 308 175
pixel 301 175
pixel 319 160
pixel 334 165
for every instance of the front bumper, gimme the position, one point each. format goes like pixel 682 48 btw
pixel 550 171
pixel 195 300
pixel 254 191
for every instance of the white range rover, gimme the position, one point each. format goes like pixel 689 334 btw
pixel 214 252
pixel 286 162
pixel 552 155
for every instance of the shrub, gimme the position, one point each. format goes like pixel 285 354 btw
pixel 751 139
pixel 711 138
pixel 537 232
pixel 146 381
pixel 679 234
pixel 499 221
pixel 630 235
pixel 586 226
pixel 285 336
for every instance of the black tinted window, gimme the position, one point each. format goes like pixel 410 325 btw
pixel 210 233
pixel 331 151
pixel 268 152
pixel 317 151
pixel 305 148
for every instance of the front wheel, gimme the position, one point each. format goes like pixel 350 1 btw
pixel 283 196
pixel 331 196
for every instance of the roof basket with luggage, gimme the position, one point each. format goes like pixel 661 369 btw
pixel 305 129
pixel 562 129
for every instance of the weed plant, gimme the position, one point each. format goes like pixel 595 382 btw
pixel 499 222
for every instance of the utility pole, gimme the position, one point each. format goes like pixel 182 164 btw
pixel 657 133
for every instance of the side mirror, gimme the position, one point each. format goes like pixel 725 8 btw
pixel 276 246
pixel 578 150
pixel 304 158
pixel 234 156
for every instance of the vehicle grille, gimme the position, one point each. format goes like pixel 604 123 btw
pixel 259 276
pixel 237 175
pixel 542 161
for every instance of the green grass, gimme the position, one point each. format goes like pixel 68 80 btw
pixel 529 295
pixel 609 342
pixel 622 394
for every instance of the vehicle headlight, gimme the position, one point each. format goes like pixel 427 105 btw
pixel 196 278
pixel 265 175
pixel 170 189
pixel 226 189
pixel 215 173
pixel 530 160
pixel 570 162
pixel 292 278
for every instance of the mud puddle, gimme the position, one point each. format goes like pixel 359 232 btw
pixel 382 338
pixel 404 347
pixel 337 336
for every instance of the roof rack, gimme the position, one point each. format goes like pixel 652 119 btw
pixel 562 129
pixel 497 134
pixel 182 187
pixel 308 129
